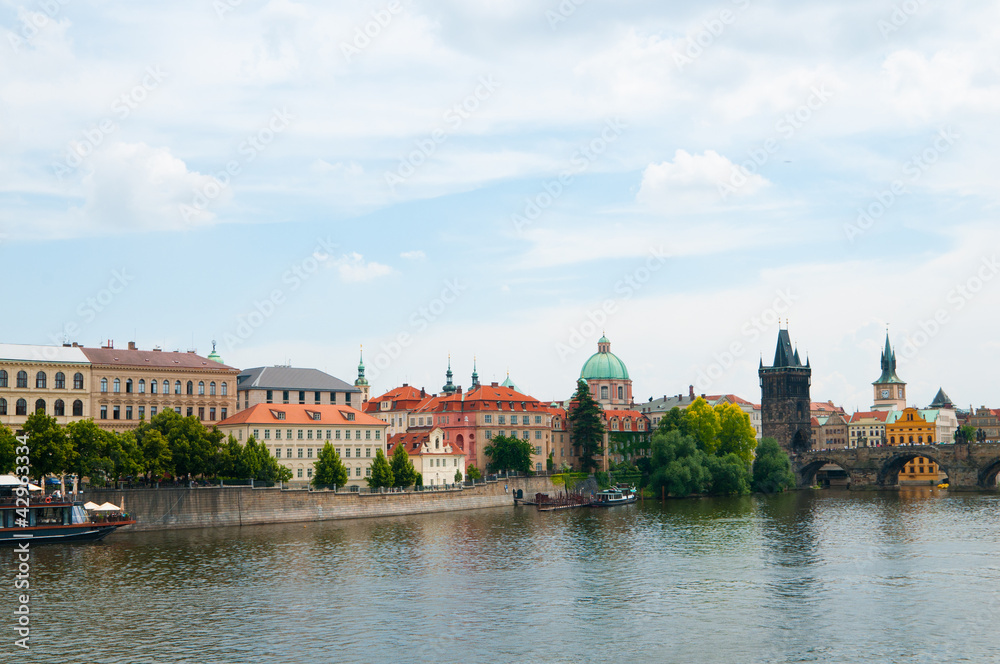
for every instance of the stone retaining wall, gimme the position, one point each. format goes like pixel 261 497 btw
pixel 164 509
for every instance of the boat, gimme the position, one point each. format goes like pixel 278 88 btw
pixel 52 519
pixel 614 496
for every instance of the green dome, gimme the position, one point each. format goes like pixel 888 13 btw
pixel 604 364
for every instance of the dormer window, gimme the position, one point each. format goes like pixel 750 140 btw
pixel 314 415
pixel 278 414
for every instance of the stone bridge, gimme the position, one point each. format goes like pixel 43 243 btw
pixel 968 465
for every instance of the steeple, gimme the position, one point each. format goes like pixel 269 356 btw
pixel 475 375
pixel 362 383
pixel 214 355
pixel 784 356
pixel 449 386
pixel 888 365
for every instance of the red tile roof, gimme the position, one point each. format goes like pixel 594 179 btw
pixel 153 358
pixel 300 414
pixel 879 415
pixel 414 441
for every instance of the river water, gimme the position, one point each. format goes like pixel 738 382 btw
pixel 804 577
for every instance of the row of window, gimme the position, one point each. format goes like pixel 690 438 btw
pixel 344 453
pixel 357 472
pixel 317 397
pixel 140 412
pixel 41 380
pixel 919 440
pixel 513 434
pixel 140 387
pixel 58 408
pixel 307 434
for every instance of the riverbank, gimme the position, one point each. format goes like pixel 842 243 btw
pixel 211 507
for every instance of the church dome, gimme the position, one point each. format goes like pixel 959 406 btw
pixel 604 365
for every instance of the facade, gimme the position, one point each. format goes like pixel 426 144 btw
pixel 911 426
pixel 921 471
pixel 607 377
pixel 867 429
pixel 890 391
pixel 435 460
pixel 52 379
pixel 785 403
pixel 295 433
pixel 129 385
pixel 394 407
pixel 832 432
pixel 986 420
pixel 288 385
pixel 626 436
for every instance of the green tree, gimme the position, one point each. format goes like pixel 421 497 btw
pixel 126 456
pixel 703 425
pixel 509 453
pixel 458 476
pixel 381 471
pixel 736 433
pixel 586 426
pixel 674 420
pixel 473 473
pixel 403 472
pixel 193 448
pixel 92 446
pixel 51 449
pixel 8 450
pixel 772 469
pixel 678 465
pixel 156 456
pixel 730 475
pixel 966 434
pixel 329 469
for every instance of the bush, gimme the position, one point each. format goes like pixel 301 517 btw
pixel 772 469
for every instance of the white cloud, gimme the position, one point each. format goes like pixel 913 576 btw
pixel 352 268
pixel 696 179
pixel 416 255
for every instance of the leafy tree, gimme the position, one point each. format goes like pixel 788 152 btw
pixel 736 433
pixel 772 469
pixel 473 473
pixel 193 448
pixel 51 449
pixel 674 420
pixel 703 425
pixel 509 453
pixel 8 450
pixel 156 456
pixel 329 469
pixel 730 475
pixel 419 481
pixel 381 471
pixel 550 462
pixel 93 446
pixel 586 426
pixel 679 465
pixel 125 455
pixel 403 472
pixel 966 434
pixel 458 476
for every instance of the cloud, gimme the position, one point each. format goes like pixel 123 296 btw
pixel 695 179
pixel 415 255
pixel 352 268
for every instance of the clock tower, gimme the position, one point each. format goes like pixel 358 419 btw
pixel 890 391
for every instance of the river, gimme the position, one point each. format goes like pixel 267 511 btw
pixel 826 576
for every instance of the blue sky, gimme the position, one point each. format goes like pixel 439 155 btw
pixel 506 180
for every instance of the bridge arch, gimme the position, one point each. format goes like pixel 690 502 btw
pixel 888 474
pixel 988 475
pixel 806 474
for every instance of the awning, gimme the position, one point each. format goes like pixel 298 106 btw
pixel 108 507
pixel 91 506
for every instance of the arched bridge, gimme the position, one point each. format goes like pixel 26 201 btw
pixel 968 465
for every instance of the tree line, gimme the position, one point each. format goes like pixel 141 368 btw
pixel 167 446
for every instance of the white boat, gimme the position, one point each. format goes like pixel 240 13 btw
pixel 617 496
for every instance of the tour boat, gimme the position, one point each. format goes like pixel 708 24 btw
pixel 53 520
pixel 618 496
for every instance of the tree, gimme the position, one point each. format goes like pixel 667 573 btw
pixel 381 471
pixel 703 425
pixel 730 475
pixel 966 434
pixel 678 465
pixel 772 469
pixel 674 420
pixel 193 448
pixel 473 473
pixel 329 469
pixel 458 476
pixel 403 472
pixel 125 455
pixel 509 453
pixel 156 456
pixel 93 446
pixel 586 426
pixel 8 450
pixel 736 433
pixel 51 450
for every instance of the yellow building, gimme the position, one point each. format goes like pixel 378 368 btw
pixel 911 426
pixel 921 470
pixel 52 379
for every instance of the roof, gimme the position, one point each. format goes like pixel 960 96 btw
pixel 784 356
pixel 942 400
pixel 290 378
pixel 929 415
pixel 33 353
pixel 268 413
pixel 414 443
pixel 604 365
pixel 826 407
pixel 879 415
pixel 154 358
pixel 888 366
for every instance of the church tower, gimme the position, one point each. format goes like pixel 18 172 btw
pixel 784 398
pixel 362 383
pixel 890 391
pixel 449 386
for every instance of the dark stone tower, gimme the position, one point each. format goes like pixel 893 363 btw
pixel 784 398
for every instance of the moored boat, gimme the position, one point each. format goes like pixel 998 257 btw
pixel 615 496
pixel 50 519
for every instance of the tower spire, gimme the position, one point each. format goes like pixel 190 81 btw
pixel 475 374
pixel 449 386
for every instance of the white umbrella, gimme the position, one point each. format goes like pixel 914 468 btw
pixel 9 480
pixel 108 507
pixel 91 506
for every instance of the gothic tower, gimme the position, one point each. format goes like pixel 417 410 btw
pixel 784 398
pixel 890 391
pixel 362 383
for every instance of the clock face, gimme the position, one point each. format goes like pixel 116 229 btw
pixel 885 394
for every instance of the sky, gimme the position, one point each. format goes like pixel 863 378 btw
pixel 506 181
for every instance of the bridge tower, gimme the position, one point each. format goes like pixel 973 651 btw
pixel 784 398
pixel 890 391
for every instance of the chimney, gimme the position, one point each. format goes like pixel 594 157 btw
pixel 494 384
pixel 423 393
pixel 405 385
pixel 458 390
pixel 691 392
pixel 131 346
pixel 111 344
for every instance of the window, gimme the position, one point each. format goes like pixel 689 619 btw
pixel 211 414
pixel 128 386
pixel 3 406
pixel 368 471
pixel 604 392
pixel 300 452
pixel 60 381
pixel 177 386
pixel 621 393
pixel 201 388
pixel 277 452
pixel 526 419
pixel 280 414
pixel 300 434
pixel 501 419
pixel 225 389
pixel 267 434
pixel 153 387
pixel 328 432
pixel 336 434
pixel 277 434
pixel 40 380
pixel 317 397
pixel 368 452
pixel 3 378
pixel 288 453
pixel 309 472
pixel 538 436
pixel 347 454
pixel 190 388
pixel 357 471
pixel 77 408
pixel 487 419
pixel 152 411
pixel 40 406
pixel 117 386
pixel 538 419
pixel 77 381
pixel 142 386
pixel 223 413
pixel 378 435
pixel 357 451
pixel 104 412
pixel 201 413
pixel 527 435
pixel 128 412
pixel 142 412
pixel 116 413
pixel 302 396
pixel 300 473
pixel 288 434
pixel 368 434
pixel 284 397
pixel 357 435
pixel 190 411
pixel 309 434
pixel 256 434
pixel 309 453
pixel 22 379
pixel 104 385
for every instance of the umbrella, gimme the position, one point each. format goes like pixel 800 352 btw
pixel 108 507
pixel 91 506
pixel 9 480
